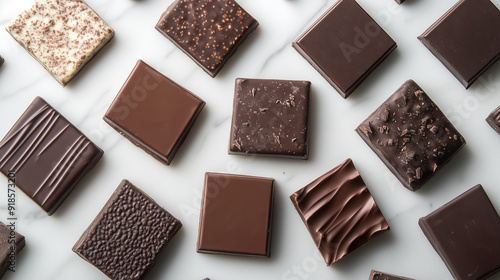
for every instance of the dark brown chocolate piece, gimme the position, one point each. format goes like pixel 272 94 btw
pixel 466 39
pixel 411 135
pixel 494 119
pixel 11 243
pixel 235 216
pixel 46 155
pixel 128 234
pixel 208 31
pixel 339 212
pixel 465 233
pixel 1 60
pixel 399 1
pixel 345 45
pixel 270 117
pixel 377 275
pixel 153 112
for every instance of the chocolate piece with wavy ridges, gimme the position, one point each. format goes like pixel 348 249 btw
pixel 339 212
pixel 377 275
pixel 46 156
pixel 126 237
pixel 494 119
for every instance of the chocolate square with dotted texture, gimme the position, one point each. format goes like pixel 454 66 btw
pixel 128 234
pixel 46 155
pixel 208 31
pixel 339 212
pixel 466 39
pixel 411 135
pixel 465 234
pixel 377 275
pixel 7 241
pixel 494 119
pixel 270 117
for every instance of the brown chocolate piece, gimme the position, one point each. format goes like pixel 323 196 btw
pixel 10 245
pixel 270 117
pixel 208 31
pixel 466 39
pixel 411 135
pixel 339 212
pixel 235 216
pixel 494 119
pixel 46 155
pixel 399 1
pixel 128 234
pixel 345 45
pixel 1 60
pixel 465 233
pixel 377 275
pixel 153 112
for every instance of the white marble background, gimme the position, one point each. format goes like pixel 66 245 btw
pixel 266 54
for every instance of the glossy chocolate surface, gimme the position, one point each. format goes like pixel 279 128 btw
pixel 494 119
pixel 8 244
pixel 339 212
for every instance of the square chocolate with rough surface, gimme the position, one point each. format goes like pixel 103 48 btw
pixel 11 243
pixel 494 119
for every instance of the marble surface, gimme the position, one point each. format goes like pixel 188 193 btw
pixel 266 54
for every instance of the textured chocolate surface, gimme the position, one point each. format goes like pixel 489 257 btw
pixel 208 31
pixel 235 216
pixel 270 117
pixel 126 237
pixel 411 135
pixel 466 39
pixel 153 112
pixel 6 242
pixel 339 212
pixel 63 35
pixel 377 275
pixel 465 233
pixel 494 119
pixel 46 155
pixel 345 45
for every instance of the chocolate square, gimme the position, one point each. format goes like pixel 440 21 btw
pixel 153 112
pixel 270 117
pixel 377 275
pixel 399 1
pixel 465 233
pixel 128 234
pixel 46 156
pixel 494 119
pixel 411 135
pixel 236 212
pixel 62 35
pixel 339 212
pixel 345 45
pixel 208 31
pixel 466 39
pixel 11 243
pixel 1 60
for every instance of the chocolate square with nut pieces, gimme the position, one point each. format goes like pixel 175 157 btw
pixel 270 117
pixel 11 243
pixel 345 45
pixel 208 31
pixel 465 234
pixel 236 214
pixel 46 156
pixel 466 39
pixel 339 212
pixel 411 135
pixel 153 112
pixel 494 120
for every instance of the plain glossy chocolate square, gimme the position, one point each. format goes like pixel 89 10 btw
pixel 345 45
pixel 46 156
pixel 494 120
pixel 9 243
pixel 411 135
pixel 270 118
pixel 466 39
pixel 209 32
pixel 153 112
pixel 465 233
pixel 339 212
pixel 236 212
pixel 377 275
pixel 128 234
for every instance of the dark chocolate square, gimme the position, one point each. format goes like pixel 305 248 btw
pixel 466 39
pixel 339 212
pixel 11 243
pixel 465 233
pixel 270 117
pixel 208 31
pixel 377 275
pixel 411 135
pixel 128 234
pixel 1 60
pixel 236 212
pixel 153 112
pixel 494 119
pixel 46 156
pixel 345 45
pixel 399 1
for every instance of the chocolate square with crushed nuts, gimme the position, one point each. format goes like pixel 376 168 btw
pixel 270 117
pixel 411 135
